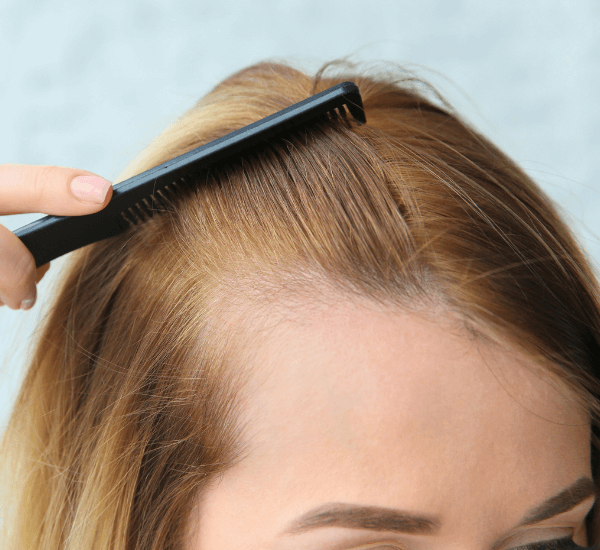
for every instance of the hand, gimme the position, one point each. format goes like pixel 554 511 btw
pixel 39 189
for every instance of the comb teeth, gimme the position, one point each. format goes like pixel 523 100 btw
pixel 158 202
pixel 145 209
pixel 338 113
pixel 124 216
pixel 135 214
pixel 165 195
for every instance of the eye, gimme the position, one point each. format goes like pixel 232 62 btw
pixel 565 543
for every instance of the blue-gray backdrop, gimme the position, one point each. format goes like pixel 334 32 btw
pixel 89 84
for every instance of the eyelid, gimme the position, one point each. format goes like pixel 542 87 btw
pixel 527 546
pixel 380 546
pixel 547 543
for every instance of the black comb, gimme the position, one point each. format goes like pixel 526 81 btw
pixel 137 199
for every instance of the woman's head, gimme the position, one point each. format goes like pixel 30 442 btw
pixel 390 314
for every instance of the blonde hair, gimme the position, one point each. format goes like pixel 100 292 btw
pixel 131 404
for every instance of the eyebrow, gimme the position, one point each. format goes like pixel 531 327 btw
pixel 352 516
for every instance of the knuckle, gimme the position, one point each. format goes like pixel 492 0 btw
pixel 17 266
pixel 41 178
pixel 15 278
pixel 23 269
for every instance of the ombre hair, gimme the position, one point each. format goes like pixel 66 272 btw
pixel 132 401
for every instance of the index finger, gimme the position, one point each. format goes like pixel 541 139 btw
pixel 26 188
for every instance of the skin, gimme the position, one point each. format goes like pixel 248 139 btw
pixel 377 407
pixel 34 189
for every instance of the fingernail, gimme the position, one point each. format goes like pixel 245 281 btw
pixel 90 188
pixel 27 304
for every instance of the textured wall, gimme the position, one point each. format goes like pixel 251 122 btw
pixel 88 85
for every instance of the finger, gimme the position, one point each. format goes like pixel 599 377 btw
pixel 17 270
pixel 28 188
pixel 40 272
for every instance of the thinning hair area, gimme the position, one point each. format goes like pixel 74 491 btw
pixel 133 398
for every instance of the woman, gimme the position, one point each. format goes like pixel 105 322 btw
pixel 379 336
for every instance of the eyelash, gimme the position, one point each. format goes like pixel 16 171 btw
pixel 565 543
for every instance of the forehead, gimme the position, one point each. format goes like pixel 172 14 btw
pixel 367 400
pixel 399 363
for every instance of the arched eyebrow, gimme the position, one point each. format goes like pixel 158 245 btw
pixel 353 516
pixel 564 501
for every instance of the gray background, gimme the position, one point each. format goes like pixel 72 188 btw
pixel 90 84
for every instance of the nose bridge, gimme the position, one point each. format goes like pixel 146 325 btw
pixel 473 533
pixel 480 508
